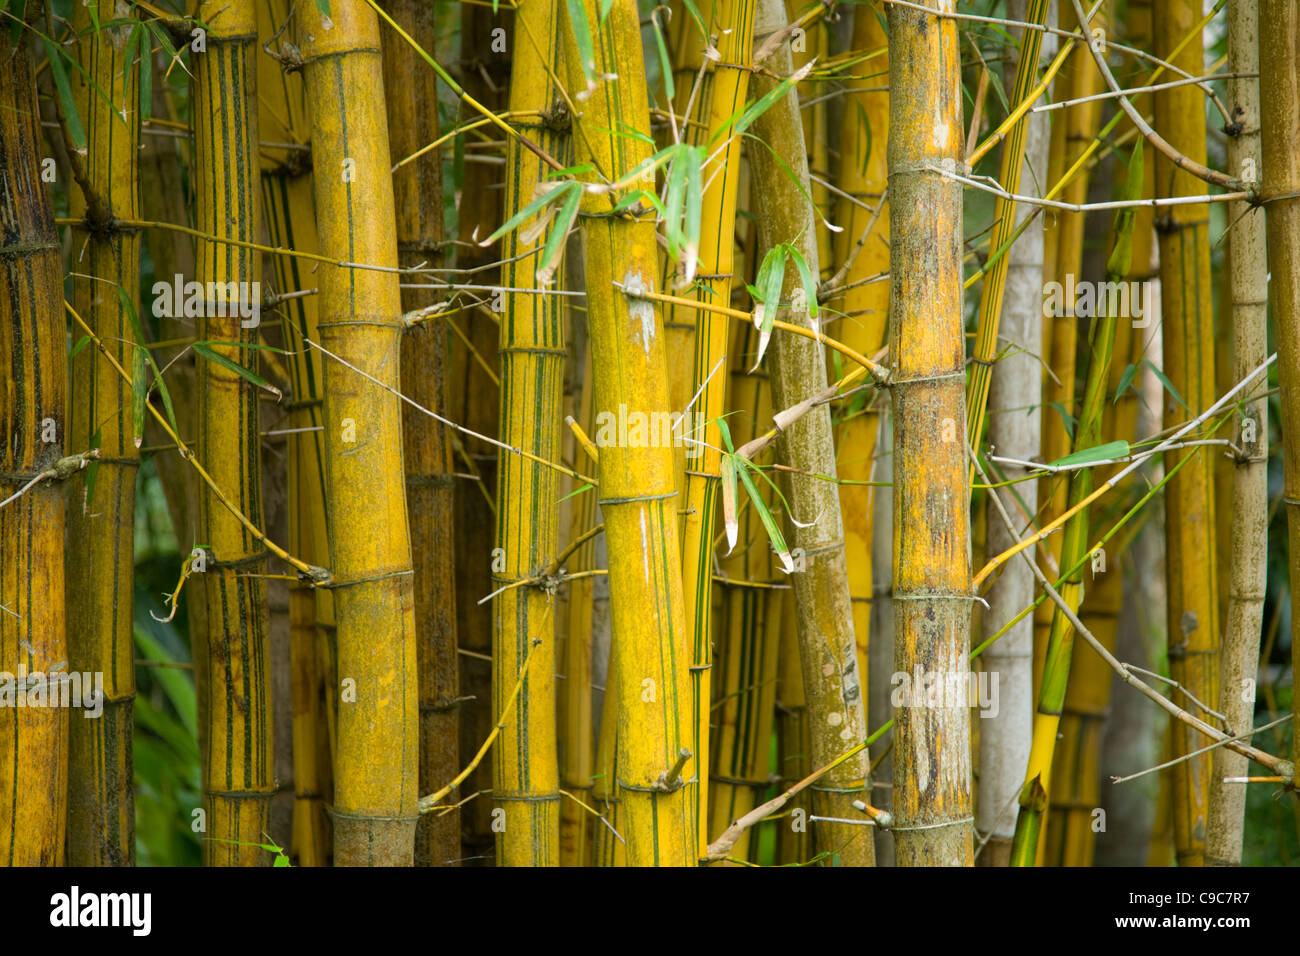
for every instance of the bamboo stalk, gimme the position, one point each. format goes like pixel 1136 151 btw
pixel 932 581
pixel 289 215
pixel 1248 540
pixel 636 484
pixel 721 96
pixel 238 773
pixel 532 354
pixel 101 792
pixel 1279 52
pixel 863 247
pixel 832 679
pixel 417 191
pixel 33 370
pixel 1005 734
pixel 1186 301
pixel 376 777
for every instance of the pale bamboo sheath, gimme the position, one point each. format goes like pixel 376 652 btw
pixel 33 740
pixel 101 801
pixel 376 778
pixel 832 678
pixel 1248 570
pixel 238 774
pixel 1279 83
pixel 932 768
pixel 636 484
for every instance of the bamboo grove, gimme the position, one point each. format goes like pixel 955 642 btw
pixel 600 433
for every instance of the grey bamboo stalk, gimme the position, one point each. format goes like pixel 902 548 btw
pixel 1005 735
pixel 1279 76
pixel 932 578
pixel 1248 571
pixel 827 647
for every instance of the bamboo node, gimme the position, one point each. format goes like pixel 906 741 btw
pixel 671 779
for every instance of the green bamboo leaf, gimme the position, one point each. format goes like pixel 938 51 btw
pixel 765 516
pixel 323 7
pixel 177 685
pixel 81 344
pixel 1169 386
pixel 1086 456
pixel 768 99
pixel 129 308
pixel 805 280
pixel 554 247
pixel 146 77
pixel 727 472
pixel 1125 380
pixel 1121 255
pixel 139 391
pixel 665 62
pixel 772 277
pixel 205 349
pixel 674 198
pixel 577 491
pixel 161 36
pixel 582 34
pixel 66 102
pixel 552 195
pixel 694 210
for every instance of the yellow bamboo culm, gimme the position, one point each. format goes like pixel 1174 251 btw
pixel 33 371
pixel 101 804
pixel 291 222
pixel 238 771
pixel 525 781
pixel 932 578
pixel 376 769
pixel 721 96
pixel 863 174
pixel 1187 311
pixel 655 767
pixel 417 189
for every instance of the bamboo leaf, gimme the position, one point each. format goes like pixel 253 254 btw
pixel 323 7
pixel 554 193
pixel 139 391
pixel 146 77
pixel 765 516
pixel 129 308
pixel 554 247
pixel 577 491
pixel 81 344
pixel 665 63
pixel 205 349
pixel 805 280
pixel 771 278
pixel 66 102
pixel 1086 456
pixel 1125 380
pixel 766 101
pixel 1169 386
pixel 582 34
pixel 727 471
pixel 694 210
